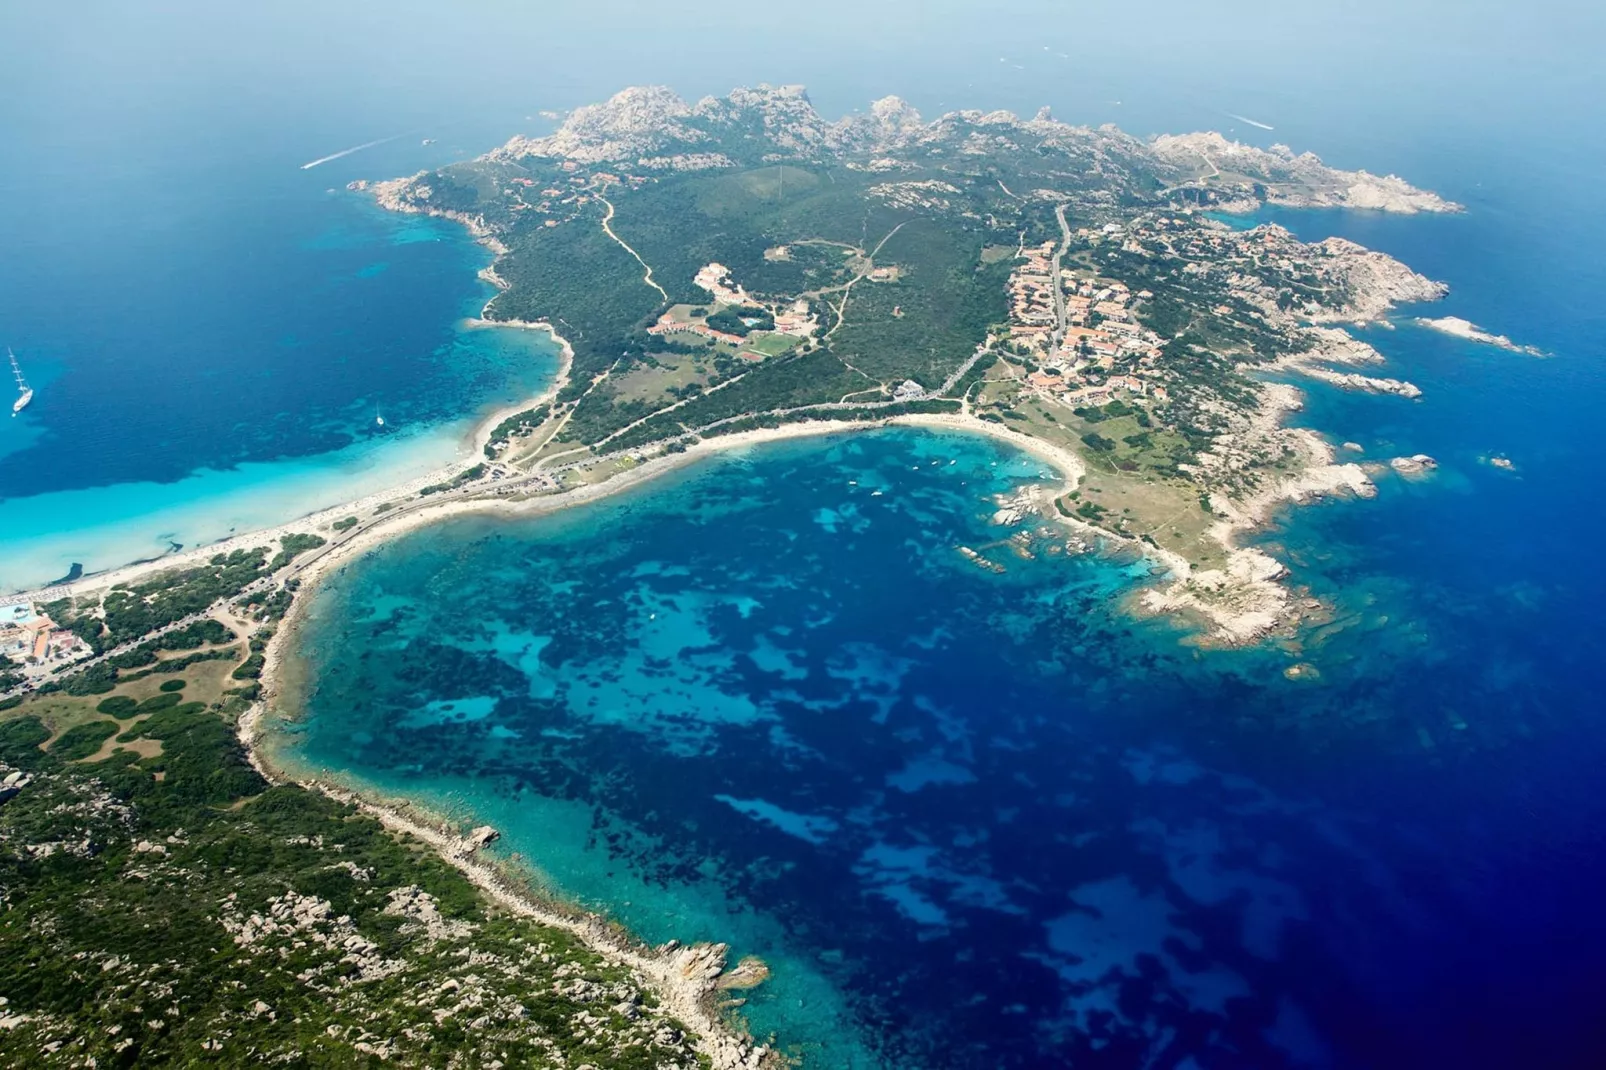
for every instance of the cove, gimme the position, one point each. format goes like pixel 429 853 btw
pixel 970 818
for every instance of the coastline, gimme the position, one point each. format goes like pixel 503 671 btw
pixel 474 449
pixel 1245 599
pixel 1241 602
pixel 689 980
pixel 1235 621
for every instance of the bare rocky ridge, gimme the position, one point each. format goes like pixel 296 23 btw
pixel 652 128
pixel 1296 181
pixel 635 122
pixel 1375 282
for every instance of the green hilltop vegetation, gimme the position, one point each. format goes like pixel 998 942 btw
pixel 743 263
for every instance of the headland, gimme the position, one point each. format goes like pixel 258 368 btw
pixel 741 271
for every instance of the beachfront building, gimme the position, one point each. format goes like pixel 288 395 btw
pixel 31 638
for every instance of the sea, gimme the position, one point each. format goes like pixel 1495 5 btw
pixel 235 357
pixel 970 818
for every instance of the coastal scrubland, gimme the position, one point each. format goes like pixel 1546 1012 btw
pixel 164 903
pixel 167 901
pixel 742 263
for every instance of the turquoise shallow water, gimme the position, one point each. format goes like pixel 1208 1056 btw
pixel 239 386
pixel 976 819
pixel 668 691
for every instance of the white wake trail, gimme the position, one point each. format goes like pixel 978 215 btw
pixel 348 152
pixel 1251 122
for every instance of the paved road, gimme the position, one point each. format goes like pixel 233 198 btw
pixel 212 611
pixel 539 479
pixel 1059 287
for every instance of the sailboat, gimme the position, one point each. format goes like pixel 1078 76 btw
pixel 24 391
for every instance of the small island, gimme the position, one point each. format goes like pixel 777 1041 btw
pixel 1461 328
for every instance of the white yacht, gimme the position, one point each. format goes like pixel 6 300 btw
pixel 24 391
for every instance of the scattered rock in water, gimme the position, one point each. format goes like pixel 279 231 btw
pixel 1303 670
pixel 1353 447
pixel 1503 462
pixel 979 561
pixel 1416 464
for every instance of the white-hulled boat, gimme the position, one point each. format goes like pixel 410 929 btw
pixel 24 391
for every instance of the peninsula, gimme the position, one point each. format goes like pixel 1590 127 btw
pixel 718 273
pixel 742 264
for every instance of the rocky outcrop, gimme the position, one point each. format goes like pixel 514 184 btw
pixel 13 784
pixel 652 128
pixel 477 839
pixel 1414 465
pixel 1368 384
pixel 1373 282
pixel 639 121
pixel 1241 601
pixel 1337 346
pixel 891 123
pixel 1299 181
pixel 783 116
pixel 1461 328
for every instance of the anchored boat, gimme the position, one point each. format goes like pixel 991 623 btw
pixel 24 391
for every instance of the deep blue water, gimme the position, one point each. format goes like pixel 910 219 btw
pixel 973 820
pixel 324 313
pixel 978 819
pixel 219 357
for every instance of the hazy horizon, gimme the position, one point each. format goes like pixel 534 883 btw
pixel 1321 78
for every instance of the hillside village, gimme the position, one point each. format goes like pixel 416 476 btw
pixel 1100 348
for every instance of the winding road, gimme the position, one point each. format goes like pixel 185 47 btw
pixel 607 220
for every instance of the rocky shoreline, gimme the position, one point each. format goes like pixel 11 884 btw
pixel 689 980
pixel 1246 600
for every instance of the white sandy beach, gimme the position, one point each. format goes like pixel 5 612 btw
pixel 472 453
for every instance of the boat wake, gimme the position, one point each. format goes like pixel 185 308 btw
pixel 348 152
pixel 24 391
pixel 1241 119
